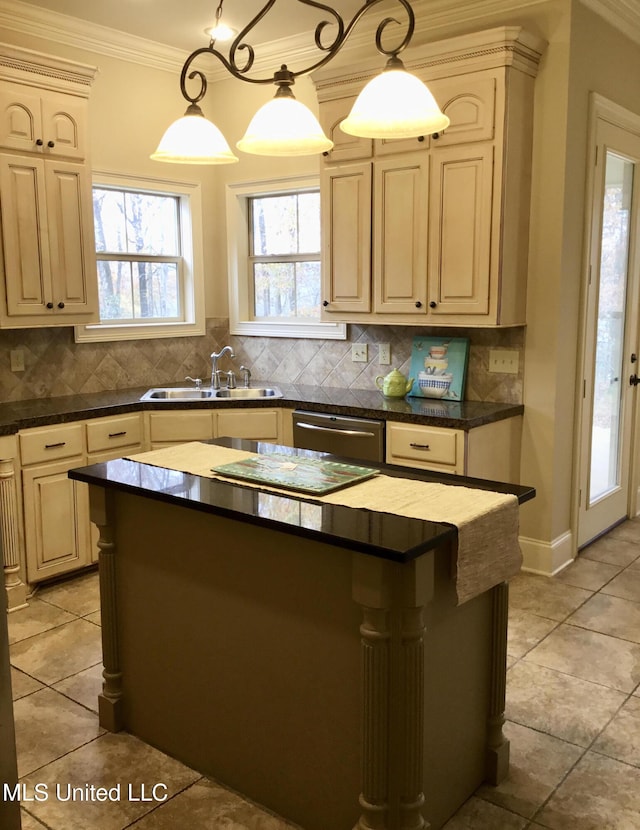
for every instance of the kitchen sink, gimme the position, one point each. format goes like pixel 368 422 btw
pixel 172 394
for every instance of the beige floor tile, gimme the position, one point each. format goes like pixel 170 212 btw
pixel 526 630
pixel 538 763
pixel 22 684
pixel 599 793
pixel 80 595
pixel 30 823
pixel 83 687
pixel 587 573
pixel 609 615
pixel 544 596
pixel 208 806
pixel 628 531
pixel 477 814
pixel 566 707
pixel 120 763
pixel 590 655
pixel 36 618
pixel 59 653
pixel 621 738
pixel 94 618
pixel 626 585
pixel 613 551
pixel 48 725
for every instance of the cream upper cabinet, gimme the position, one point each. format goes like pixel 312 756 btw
pixel 447 240
pixel 49 274
pixel 47 123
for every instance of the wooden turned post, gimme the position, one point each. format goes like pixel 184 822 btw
pixel 110 700
pixel 16 590
pixel 412 686
pixel 497 761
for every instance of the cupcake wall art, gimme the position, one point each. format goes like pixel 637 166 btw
pixel 439 367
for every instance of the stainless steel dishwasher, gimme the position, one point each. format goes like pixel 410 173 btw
pixel 360 438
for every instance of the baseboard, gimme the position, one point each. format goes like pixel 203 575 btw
pixel 547 558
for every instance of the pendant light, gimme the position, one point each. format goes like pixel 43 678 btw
pixel 395 104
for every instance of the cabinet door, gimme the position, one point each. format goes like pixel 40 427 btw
pixel 460 230
pixel 470 104
pixel 253 424
pixel 346 238
pixel 400 234
pixel 71 240
pixel 25 234
pixel 20 118
pixel 56 513
pixel 64 125
pixel 179 426
pixel 345 147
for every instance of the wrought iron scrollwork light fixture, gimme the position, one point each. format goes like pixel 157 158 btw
pixel 394 104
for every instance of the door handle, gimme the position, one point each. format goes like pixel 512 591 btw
pixel 634 380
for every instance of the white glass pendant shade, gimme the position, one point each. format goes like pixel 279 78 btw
pixel 193 139
pixel 394 104
pixel 284 127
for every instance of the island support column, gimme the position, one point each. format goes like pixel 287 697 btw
pixel 110 701
pixel 393 598
pixel 497 762
pixel 16 590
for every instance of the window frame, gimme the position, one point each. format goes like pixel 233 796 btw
pixel 239 260
pixel 190 270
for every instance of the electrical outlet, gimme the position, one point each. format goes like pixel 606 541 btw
pixel 384 354
pixel 359 352
pixel 504 360
pixel 16 358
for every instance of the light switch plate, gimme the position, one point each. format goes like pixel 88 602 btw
pixel 504 360
pixel 359 352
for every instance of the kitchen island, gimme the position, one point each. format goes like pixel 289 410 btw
pixel 311 655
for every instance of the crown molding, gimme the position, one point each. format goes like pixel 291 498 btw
pixel 622 14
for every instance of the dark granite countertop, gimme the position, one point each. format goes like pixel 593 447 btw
pixel 362 403
pixel 397 538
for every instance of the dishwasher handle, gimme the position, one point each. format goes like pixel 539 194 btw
pixel 354 433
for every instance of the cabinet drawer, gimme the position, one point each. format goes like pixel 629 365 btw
pixel 429 445
pixel 51 443
pixel 180 426
pixel 111 433
pixel 259 424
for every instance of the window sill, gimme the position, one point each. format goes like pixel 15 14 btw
pixel 309 331
pixel 145 331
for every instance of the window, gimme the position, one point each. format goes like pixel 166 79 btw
pixel 274 260
pixel 149 284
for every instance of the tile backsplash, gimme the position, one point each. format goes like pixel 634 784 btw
pixel 54 364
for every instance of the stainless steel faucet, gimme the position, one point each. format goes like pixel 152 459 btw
pixel 215 357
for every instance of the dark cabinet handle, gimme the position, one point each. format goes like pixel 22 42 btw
pixel 55 446
pixel 39 142
pixel 418 304
pixel 51 144
pixel 419 446
pixel 117 434
pixel 436 136
pixel 49 305
pixel 420 138
pixel 433 304
pixel 61 304
pixel 325 303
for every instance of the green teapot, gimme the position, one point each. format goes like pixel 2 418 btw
pixel 394 385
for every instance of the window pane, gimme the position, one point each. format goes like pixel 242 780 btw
pixel 139 223
pixel 138 290
pixel 309 223
pixel 308 289
pixel 275 289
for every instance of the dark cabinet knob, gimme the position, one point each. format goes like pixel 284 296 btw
pixel 420 138
pixel 39 142
pixel 418 304
pixel 325 303
pixel 433 304
pixel 436 136
pixel 49 305
pixel 61 304
pixel 51 144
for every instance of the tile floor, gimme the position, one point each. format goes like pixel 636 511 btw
pixel 573 712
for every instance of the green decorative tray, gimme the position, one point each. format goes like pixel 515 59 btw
pixel 306 475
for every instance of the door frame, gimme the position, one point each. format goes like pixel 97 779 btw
pixel 600 109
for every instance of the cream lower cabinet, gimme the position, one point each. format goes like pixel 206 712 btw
pixel 56 509
pixel 180 426
pixel 490 451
